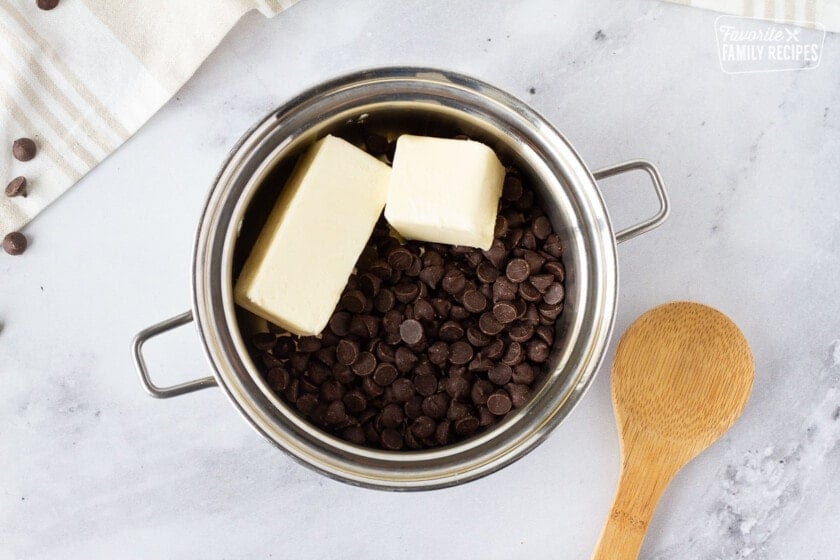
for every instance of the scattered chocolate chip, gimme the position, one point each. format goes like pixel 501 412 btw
pixel 500 374
pixel 460 353
pixel 24 149
pixel 554 294
pixel 17 187
pixel 512 188
pixel 489 324
pixel 15 243
pixel 538 351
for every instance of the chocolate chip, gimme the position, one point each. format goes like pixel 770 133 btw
pixel 466 425
pixel 477 338
pixel 502 227
pixel 512 188
pixel 354 401
pixel 391 439
pixel 503 290
pixel 474 301
pixel 454 281
pixel 480 363
pixel 404 359
pixel 496 253
pixel 504 312
pixel 365 326
pixel 523 373
pixel 47 4
pixel 403 389
pixel 17 187
pixel 556 268
pixel 371 388
pixel 411 331
pixel 549 312
pixel 15 243
pixel 384 301
pixel 521 332
pixel 458 313
pixel 309 344
pixel 451 331
pixel 335 412
pixel 542 281
pixel 435 406
pixel 425 384
pixel 370 284
pixel 517 270
pixel 442 432
pixel 278 378
pixel 376 144
pixel 400 258
pixel 340 323
pixel 354 434
pixel 347 351
pixel 538 351
pixel 541 228
pixel 24 149
pixel 457 411
pixel 486 272
pixel 384 374
pixel 535 261
pixel 481 389
pixel 494 350
pixel 489 324
pixel 405 292
pixel 423 427
pixel 365 364
pixel 499 403
pixel 381 269
pixel 518 394
pixel 353 301
pixel 456 387
pixel 392 416
pixel 500 374
pixel 441 307
pixel 414 270
pixel 529 292
pixel 552 245
pixel 546 334
pixel 460 353
pixel 514 354
pixel 554 294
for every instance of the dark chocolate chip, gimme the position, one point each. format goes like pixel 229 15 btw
pixel 404 359
pixel 517 270
pixel 529 292
pixel 481 389
pixel 494 350
pixel 15 243
pixel 499 403
pixel 370 284
pixel 554 294
pixel 538 351
pixel 556 268
pixel 512 188
pixel 354 301
pixel 403 389
pixel 278 378
pixel 504 312
pixel 460 353
pixel 355 401
pixel 496 253
pixel 391 439
pixel 411 331
pixel 451 331
pixel 500 374
pixel 486 272
pixel 552 245
pixel 521 332
pixel 423 427
pixel 489 324
pixel 454 281
pixel 425 384
pixel 518 394
pixel 474 301
pixel 24 149
pixel 514 354
pixel 466 426
pixel 384 374
pixel 477 338
pixel 340 323
pixel 400 258
pixel 347 351
pixel 435 406
pixel 17 187
pixel 541 228
pixel 365 364
pixel 384 301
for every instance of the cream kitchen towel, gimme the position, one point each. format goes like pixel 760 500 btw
pixel 806 12
pixel 81 78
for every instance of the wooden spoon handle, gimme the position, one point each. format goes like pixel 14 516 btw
pixel 642 481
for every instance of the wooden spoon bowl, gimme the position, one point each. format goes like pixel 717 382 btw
pixel 682 374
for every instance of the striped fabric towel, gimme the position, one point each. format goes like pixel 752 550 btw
pixel 81 78
pixel 804 12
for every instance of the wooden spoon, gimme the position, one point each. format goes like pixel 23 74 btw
pixel 681 377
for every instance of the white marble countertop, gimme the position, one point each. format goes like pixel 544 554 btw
pixel 93 468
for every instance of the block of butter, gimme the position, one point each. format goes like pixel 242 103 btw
pixel 316 231
pixel 444 191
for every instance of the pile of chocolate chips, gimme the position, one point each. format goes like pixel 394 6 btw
pixel 430 343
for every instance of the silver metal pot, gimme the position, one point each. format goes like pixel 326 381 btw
pixel 407 98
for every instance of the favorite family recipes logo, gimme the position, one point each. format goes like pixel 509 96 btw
pixel 756 45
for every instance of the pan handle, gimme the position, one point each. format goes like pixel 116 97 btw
pixel 658 185
pixel 142 370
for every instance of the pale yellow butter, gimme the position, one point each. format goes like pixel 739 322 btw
pixel 319 226
pixel 444 191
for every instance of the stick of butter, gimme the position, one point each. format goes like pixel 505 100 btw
pixel 444 191
pixel 319 226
